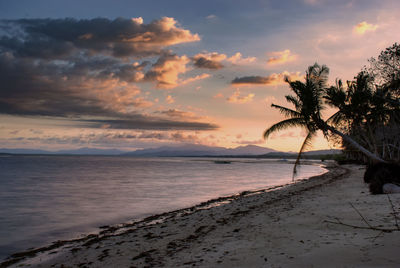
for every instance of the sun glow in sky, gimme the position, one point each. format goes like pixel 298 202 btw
pixel 140 74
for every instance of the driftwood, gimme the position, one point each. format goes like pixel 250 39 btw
pixel 368 225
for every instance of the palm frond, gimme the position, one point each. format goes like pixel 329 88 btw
pixel 336 118
pixel 291 122
pixel 286 111
pixel 295 101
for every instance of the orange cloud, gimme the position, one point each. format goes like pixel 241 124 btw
pixel 159 33
pixel 193 79
pixel 169 99
pixel 112 94
pixel 238 59
pixel 167 69
pixel 364 27
pixel 271 80
pixel 281 57
pixel 237 98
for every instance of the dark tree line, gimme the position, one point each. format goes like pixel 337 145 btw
pixel 367 121
pixel 369 108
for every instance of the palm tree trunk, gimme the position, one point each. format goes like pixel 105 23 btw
pixel 347 138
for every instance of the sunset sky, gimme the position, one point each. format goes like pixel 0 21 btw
pixel 139 74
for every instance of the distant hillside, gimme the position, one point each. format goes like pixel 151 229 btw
pixel 183 150
pixel 23 151
pixel 80 151
pixel 201 150
pixel 92 151
pixel 309 154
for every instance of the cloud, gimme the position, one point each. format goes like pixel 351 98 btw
pixel 36 88
pixel 145 122
pixel 166 70
pixel 237 98
pixel 193 79
pixel 175 113
pixel 238 59
pixel 169 99
pixel 85 71
pixel 211 61
pixel 273 79
pixel 219 95
pixel 105 139
pixel 121 37
pixel 251 142
pixel 281 57
pixel 364 27
pixel 216 61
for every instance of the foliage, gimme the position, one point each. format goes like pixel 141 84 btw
pixel 307 103
pixel 368 113
pixel 386 69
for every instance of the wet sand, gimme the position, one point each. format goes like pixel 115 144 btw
pixel 293 226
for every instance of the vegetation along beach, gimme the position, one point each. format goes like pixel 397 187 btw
pixel 199 134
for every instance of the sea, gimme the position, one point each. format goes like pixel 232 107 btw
pixel 48 198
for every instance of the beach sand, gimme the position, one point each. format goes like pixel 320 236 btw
pixel 288 227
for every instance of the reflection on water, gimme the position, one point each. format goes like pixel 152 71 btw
pixel 46 198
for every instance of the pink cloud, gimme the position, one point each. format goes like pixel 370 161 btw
pixel 280 57
pixel 238 59
pixel 238 98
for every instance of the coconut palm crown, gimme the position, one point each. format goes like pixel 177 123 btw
pixel 308 103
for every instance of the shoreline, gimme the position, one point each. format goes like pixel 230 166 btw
pixel 59 221
pixel 312 223
pixel 128 227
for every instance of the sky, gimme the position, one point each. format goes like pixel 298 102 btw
pixel 142 74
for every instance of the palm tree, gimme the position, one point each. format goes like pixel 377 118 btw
pixel 357 97
pixel 309 103
pixel 370 128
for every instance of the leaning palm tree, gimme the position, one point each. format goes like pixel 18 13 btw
pixel 308 104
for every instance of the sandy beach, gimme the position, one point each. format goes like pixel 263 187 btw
pixel 292 226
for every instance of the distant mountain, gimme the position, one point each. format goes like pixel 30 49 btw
pixel 23 151
pixel 249 150
pixel 183 150
pixel 309 154
pixel 80 151
pixel 200 150
pixel 91 151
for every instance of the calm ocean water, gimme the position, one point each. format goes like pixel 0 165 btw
pixel 47 198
